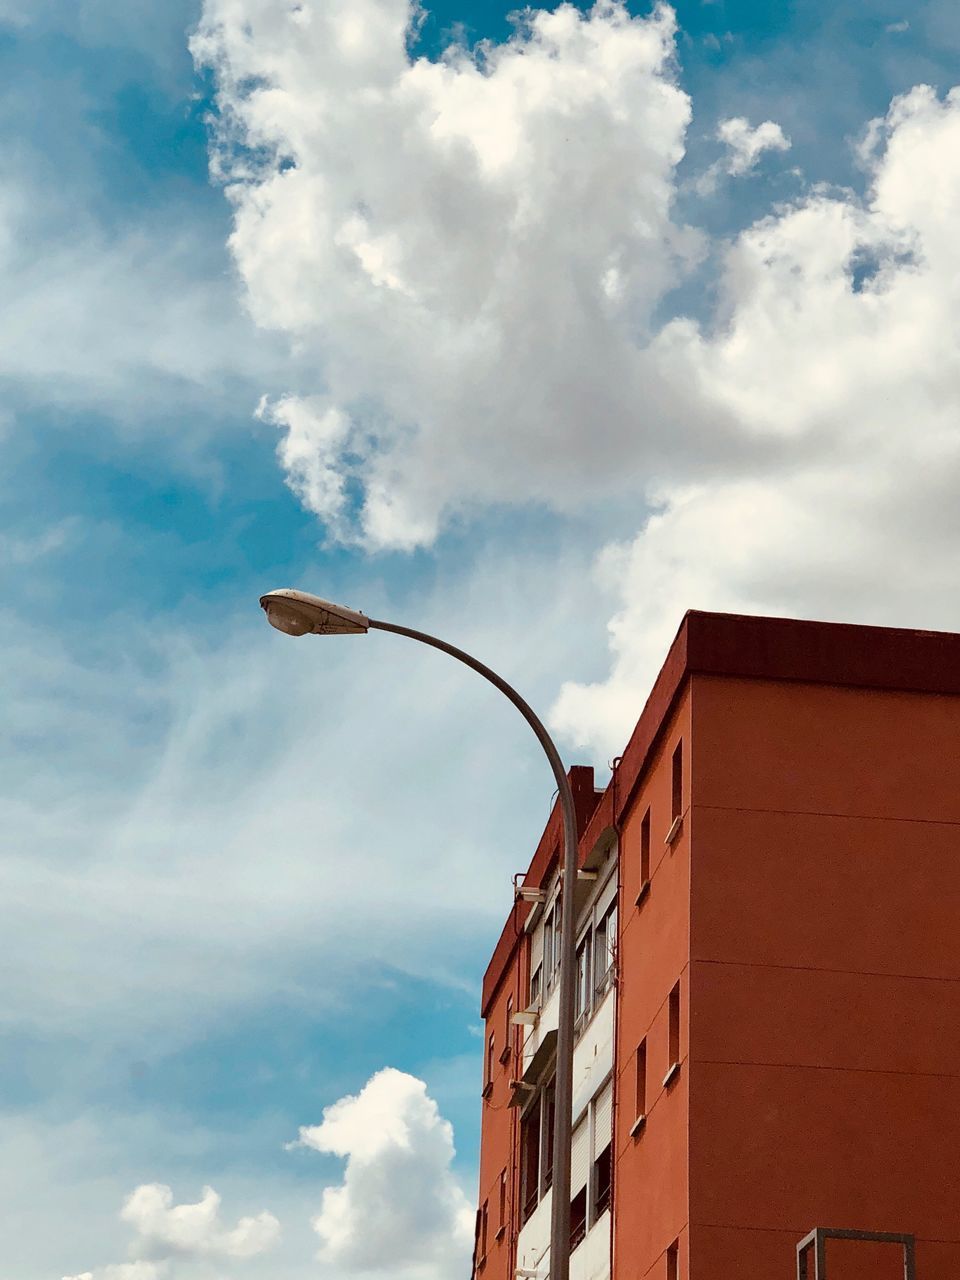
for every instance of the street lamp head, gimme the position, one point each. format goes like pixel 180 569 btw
pixel 297 613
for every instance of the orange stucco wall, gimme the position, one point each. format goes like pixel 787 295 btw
pixel 810 909
pixel 650 1174
pixel 825 976
pixel 500 1122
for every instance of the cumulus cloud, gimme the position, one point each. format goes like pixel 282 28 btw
pixel 163 1227
pixel 473 249
pixel 746 144
pixel 839 342
pixel 165 1232
pixel 478 253
pixel 399 1209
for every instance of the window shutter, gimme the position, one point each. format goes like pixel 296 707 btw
pixel 579 1157
pixel 607 895
pixel 536 947
pixel 603 1119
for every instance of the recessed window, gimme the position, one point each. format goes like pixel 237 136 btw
pixel 508 1030
pixel 483 1231
pixel 536 1149
pixel 677 781
pixel 644 857
pixel 578 1217
pixel 551 945
pixel 579 1178
pixel 640 1088
pixel 536 984
pixel 549 927
pixel 549 1118
pixel 502 1219
pixel 591 1168
pixel 582 1000
pixel 530 1160
pixel 601 1182
pixel 602 1145
pixel 604 949
pixel 488 1066
pixel 673 1034
pixel 676 791
pixel 673 1260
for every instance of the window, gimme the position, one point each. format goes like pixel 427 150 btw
pixel 508 1033
pixel 673 1259
pixel 548 928
pixel 483 1231
pixel 536 984
pixel 502 1220
pixel 551 945
pixel 640 1088
pixel 549 1119
pixel 644 857
pixel 602 1140
pixel 488 1066
pixel 582 1000
pixel 677 781
pixel 590 1165
pixel 596 949
pixel 673 1034
pixel 536 1149
pixel 578 1217
pixel 601 1183
pixel 604 949
pixel 676 790
pixel 530 1160
pixel 579 1177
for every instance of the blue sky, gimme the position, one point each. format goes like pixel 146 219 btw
pixel 244 876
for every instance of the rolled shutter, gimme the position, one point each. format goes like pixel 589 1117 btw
pixel 536 947
pixel 607 895
pixel 579 1157
pixel 603 1119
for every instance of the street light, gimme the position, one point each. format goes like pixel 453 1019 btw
pixel 297 613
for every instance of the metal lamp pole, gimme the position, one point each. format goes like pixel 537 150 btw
pixel 298 613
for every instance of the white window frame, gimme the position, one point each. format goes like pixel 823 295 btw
pixel 545 1138
pixel 589 928
pixel 589 1113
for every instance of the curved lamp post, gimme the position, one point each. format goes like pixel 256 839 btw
pixel 298 614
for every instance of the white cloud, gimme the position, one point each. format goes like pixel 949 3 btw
pixel 747 144
pixel 839 344
pixel 399 1211
pixel 96 318
pixel 475 252
pixel 126 1271
pixel 472 250
pixel 166 1232
pixel 744 147
pixel 165 1228
pixel 175 844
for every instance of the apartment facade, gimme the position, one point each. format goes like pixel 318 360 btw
pixel 768 959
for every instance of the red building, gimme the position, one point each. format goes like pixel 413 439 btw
pixel 769 975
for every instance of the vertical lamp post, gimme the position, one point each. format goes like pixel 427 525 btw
pixel 297 614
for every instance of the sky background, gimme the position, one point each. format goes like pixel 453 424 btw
pixel 531 333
